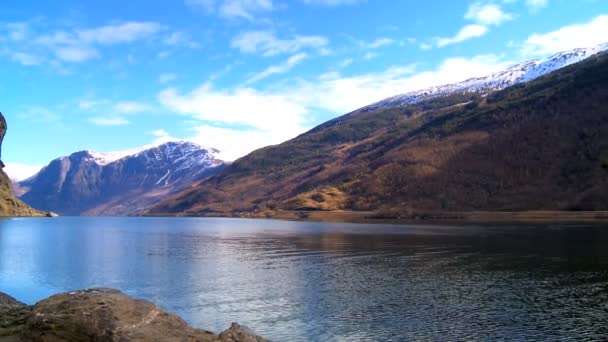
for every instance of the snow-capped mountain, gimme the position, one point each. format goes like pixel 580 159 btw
pixel 94 183
pixel 519 73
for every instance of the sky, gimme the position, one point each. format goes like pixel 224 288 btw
pixel 238 75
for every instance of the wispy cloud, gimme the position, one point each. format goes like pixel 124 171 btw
pixel 130 107
pixel 25 58
pixel 278 69
pixel 118 33
pixel 109 121
pixel 380 42
pixel 244 9
pixel 483 15
pixel 267 44
pixel 332 2
pixel 167 77
pixel 30 47
pixel 75 54
pixel 370 55
pixel 39 114
pixel 536 5
pixel 465 33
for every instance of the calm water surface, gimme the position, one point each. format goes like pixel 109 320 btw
pixel 301 281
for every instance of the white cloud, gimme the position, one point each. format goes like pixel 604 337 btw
pixel 482 15
pixel 227 118
pixel 346 62
pixel 109 121
pixel 567 38
pixel 119 33
pixel 19 171
pixel 230 141
pixel 246 9
pixel 370 55
pixel 161 136
pixel 331 2
pixel 72 46
pixel 167 77
pixel 89 103
pixel 487 14
pixel 535 5
pixel 265 43
pixel 130 107
pixel 242 106
pixel 39 114
pixel 466 33
pixel 76 53
pixel 15 31
pixel 26 58
pixel 278 69
pixel 380 42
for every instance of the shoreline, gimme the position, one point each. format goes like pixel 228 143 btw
pixel 346 216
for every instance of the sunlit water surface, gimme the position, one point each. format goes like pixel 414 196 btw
pixel 302 281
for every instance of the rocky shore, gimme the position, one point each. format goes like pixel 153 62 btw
pixel 102 315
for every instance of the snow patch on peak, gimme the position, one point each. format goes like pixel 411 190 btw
pixel 105 158
pixel 518 73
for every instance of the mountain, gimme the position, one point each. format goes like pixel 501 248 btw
pixel 94 183
pixel 9 204
pixel 518 73
pixel 536 145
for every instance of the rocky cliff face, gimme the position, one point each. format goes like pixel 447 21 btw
pixel 102 315
pixel 9 204
pixel 93 183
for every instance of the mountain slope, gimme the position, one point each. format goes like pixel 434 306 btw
pixel 9 204
pixel 93 183
pixel 518 73
pixel 540 145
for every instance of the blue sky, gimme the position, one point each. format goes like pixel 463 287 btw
pixel 241 74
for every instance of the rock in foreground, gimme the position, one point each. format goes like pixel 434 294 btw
pixel 102 315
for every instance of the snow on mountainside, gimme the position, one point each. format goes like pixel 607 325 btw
pixel 118 183
pixel 519 73
pixel 175 152
pixel 104 158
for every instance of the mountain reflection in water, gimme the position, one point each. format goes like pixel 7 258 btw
pixel 303 281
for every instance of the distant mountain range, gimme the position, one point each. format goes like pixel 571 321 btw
pixel 94 183
pixel 533 137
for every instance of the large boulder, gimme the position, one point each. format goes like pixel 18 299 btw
pixel 13 315
pixel 102 315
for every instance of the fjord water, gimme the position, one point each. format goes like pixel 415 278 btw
pixel 303 281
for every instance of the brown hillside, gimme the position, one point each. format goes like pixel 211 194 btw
pixel 9 204
pixel 541 145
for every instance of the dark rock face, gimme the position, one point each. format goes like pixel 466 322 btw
pixel 102 315
pixel 85 183
pixel 9 204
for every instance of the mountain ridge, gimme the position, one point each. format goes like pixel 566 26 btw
pixel 95 183
pixel 518 73
pixel 462 151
